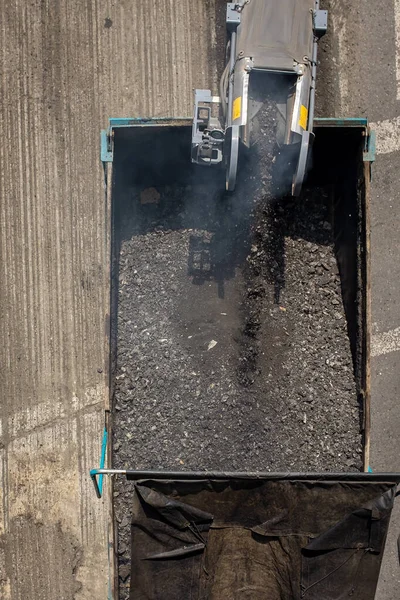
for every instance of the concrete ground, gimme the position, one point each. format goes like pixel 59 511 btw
pixel 66 67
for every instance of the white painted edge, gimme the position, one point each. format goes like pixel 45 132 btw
pixel 387 135
pixel 383 343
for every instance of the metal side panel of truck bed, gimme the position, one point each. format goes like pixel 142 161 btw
pixel 342 157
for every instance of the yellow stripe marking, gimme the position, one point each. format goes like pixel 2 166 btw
pixel 237 108
pixel 303 117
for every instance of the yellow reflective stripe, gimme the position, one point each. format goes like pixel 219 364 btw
pixel 303 117
pixel 237 108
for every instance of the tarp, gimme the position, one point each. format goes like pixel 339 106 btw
pixel 267 540
pixel 275 33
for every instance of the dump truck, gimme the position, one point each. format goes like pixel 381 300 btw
pixel 186 524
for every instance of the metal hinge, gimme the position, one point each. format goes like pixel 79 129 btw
pixel 106 153
pixel 370 147
pixel 320 22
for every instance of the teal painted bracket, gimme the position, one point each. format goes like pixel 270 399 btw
pixel 132 121
pixel 102 459
pixel 347 122
pixel 106 153
pixel 370 147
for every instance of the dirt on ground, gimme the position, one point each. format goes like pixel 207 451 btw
pixel 232 346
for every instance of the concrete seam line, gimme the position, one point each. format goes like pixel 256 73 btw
pixel 397 42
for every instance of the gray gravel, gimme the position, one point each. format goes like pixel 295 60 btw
pixel 232 343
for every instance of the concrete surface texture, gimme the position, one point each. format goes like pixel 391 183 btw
pixel 66 67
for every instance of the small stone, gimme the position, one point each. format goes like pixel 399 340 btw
pixel 125 521
pixel 325 279
pixel 124 572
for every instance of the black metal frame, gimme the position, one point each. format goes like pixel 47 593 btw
pixel 132 475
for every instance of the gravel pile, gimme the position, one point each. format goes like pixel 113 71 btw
pixel 233 351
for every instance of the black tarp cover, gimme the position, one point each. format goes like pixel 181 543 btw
pixel 251 539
